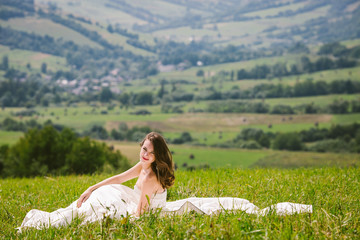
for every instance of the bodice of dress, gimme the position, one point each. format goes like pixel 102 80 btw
pixel 157 200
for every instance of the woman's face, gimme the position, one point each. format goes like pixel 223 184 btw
pixel 147 154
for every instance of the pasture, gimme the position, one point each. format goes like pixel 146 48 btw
pixel 243 158
pixel 20 58
pixel 333 192
pixel 47 27
pixel 205 128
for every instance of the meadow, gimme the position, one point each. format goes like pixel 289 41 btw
pixel 333 192
pixel 20 58
pixel 205 128
pixel 47 27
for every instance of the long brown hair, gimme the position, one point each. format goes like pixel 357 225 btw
pixel 163 165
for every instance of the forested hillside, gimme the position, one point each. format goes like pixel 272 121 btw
pixel 92 49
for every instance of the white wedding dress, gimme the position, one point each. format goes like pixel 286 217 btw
pixel 117 200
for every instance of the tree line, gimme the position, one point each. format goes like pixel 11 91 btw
pixel 336 107
pixel 261 91
pixel 337 138
pixel 306 66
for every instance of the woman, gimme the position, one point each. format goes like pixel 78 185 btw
pixel 155 172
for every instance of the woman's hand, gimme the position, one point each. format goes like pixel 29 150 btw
pixel 84 197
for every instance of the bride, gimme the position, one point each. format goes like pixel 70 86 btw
pixel 155 173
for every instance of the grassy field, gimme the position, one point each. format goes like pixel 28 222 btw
pixel 224 84
pixel 243 158
pixel 333 192
pixel 47 27
pixel 275 10
pixel 114 38
pixel 214 157
pixel 18 59
pixel 97 10
pixel 320 101
pixel 7 137
pixel 205 128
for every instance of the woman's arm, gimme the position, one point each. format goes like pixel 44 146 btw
pixel 117 179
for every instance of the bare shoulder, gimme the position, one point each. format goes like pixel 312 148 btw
pixel 150 180
pixel 151 184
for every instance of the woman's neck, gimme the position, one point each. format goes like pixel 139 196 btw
pixel 146 168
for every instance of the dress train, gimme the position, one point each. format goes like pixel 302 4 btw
pixel 117 200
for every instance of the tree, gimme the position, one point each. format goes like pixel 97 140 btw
pixel 282 109
pixel 43 68
pixel 200 73
pixel 110 28
pixel 5 62
pixel 185 137
pixel 306 64
pixel 324 63
pixel 86 156
pixel 106 95
pixel 339 107
pixel 334 48
pixel 143 98
pixel 288 141
pixel 48 151
pixel 124 99
pixel 161 91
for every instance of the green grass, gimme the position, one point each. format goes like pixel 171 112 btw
pixel 44 27
pixel 223 84
pixel 163 8
pixel 275 10
pixel 286 159
pixel 9 138
pixel 114 38
pixel 243 158
pixel 97 10
pixel 205 128
pixel 215 157
pixel 320 101
pixel 333 192
pixel 18 59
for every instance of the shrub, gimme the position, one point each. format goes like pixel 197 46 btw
pixel 250 145
pixel 282 109
pixel 333 145
pixel 97 132
pixel 339 107
pixel 288 141
pixel 250 134
pixel 185 137
pixel 48 151
pixel 86 156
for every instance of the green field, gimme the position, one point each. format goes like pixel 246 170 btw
pixel 115 39
pixel 276 10
pixel 320 101
pixel 333 192
pixel 97 9
pixel 224 83
pixel 205 128
pixel 243 158
pixel 10 138
pixel 18 59
pixel 47 27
